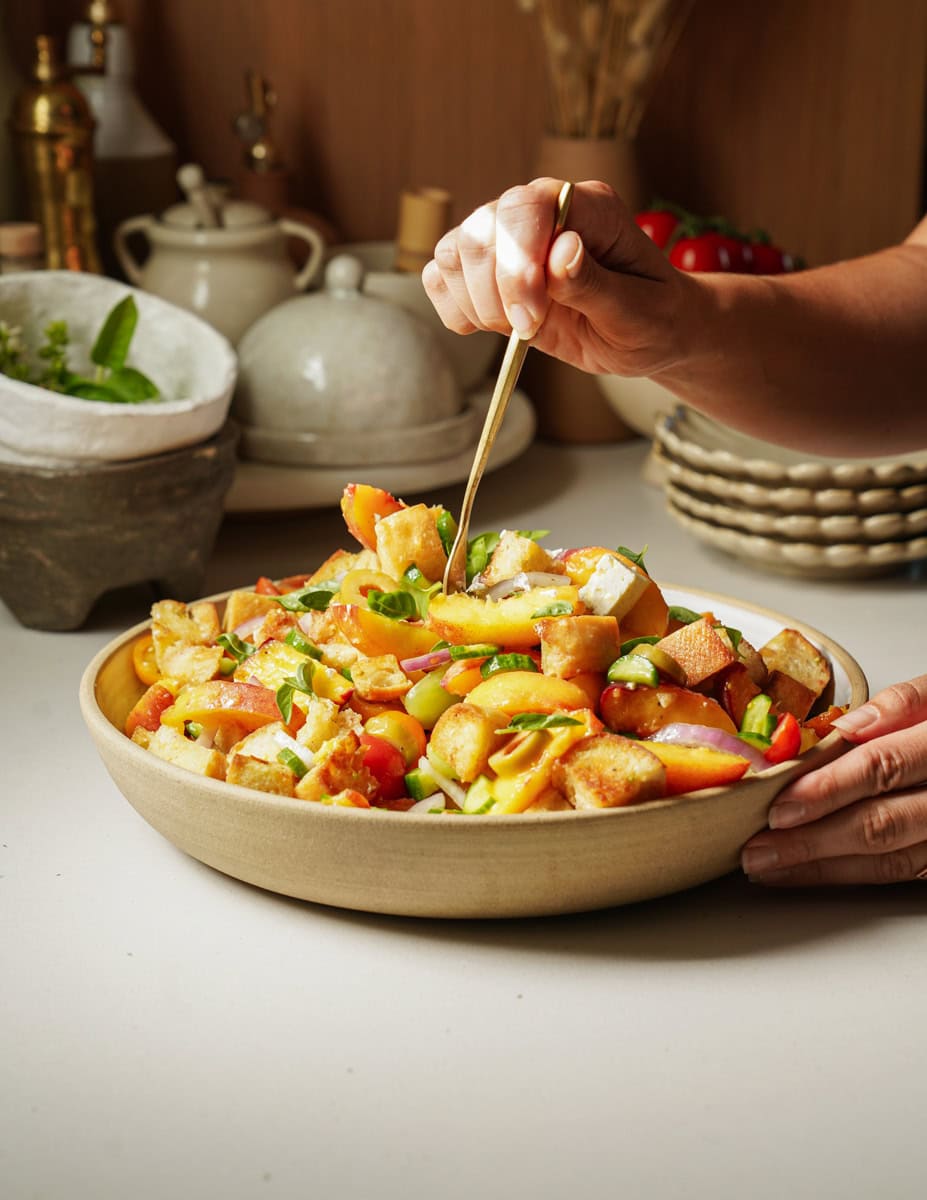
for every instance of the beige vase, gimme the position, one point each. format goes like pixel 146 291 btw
pixel 569 403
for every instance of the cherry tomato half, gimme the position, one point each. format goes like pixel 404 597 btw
pixel 401 730
pixel 386 765
pixel 785 742
pixel 143 660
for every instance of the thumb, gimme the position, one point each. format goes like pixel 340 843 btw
pixel 575 279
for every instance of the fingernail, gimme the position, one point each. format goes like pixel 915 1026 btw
pixel 786 814
pixel 857 719
pixel 759 858
pixel 522 321
pixel 573 266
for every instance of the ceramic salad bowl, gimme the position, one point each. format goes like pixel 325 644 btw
pixel 419 864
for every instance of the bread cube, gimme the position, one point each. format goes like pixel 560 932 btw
pixel 325 721
pixel 263 776
pixel 791 653
pixel 514 554
pixel 241 606
pixel 465 737
pixel 410 536
pixel 789 695
pixel 379 678
pixel 170 745
pixel 337 565
pixel 699 650
pixel 339 766
pixel 608 771
pixel 190 664
pixel 572 645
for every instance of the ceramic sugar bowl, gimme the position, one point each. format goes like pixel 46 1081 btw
pixel 338 378
pixel 228 274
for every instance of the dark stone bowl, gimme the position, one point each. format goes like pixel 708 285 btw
pixel 69 535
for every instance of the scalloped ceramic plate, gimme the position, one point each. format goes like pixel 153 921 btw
pixel 807 527
pixel 418 865
pixel 820 501
pixel 709 447
pixel 838 560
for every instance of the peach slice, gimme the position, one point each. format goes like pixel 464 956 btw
pixel 248 704
pixel 361 504
pixel 527 691
pixel 689 768
pixel 462 619
pixel 373 634
pixel 644 710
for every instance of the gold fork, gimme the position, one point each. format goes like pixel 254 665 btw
pixel 455 574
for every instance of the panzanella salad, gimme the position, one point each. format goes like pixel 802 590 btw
pixel 558 680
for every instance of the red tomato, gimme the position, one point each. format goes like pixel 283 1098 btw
pixel 769 259
pixel 266 587
pixel 785 742
pixel 658 224
pixel 387 766
pixel 705 252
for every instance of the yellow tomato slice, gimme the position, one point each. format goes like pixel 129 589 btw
pixel 143 660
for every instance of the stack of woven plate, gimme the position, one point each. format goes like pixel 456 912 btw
pixel 793 513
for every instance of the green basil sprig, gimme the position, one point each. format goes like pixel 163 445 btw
pixel 300 682
pixel 309 599
pixel 531 720
pixel 236 647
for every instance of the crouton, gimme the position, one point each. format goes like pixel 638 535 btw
pixel 572 645
pixel 174 624
pixel 263 776
pixel 753 661
pixel 736 689
pixel 699 650
pixel 170 745
pixel 608 771
pixel 465 737
pixel 789 695
pixel 190 664
pixel 242 606
pixel 337 565
pixel 379 678
pixel 410 536
pixel 550 800
pixel 325 721
pixel 277 624
pixel 791 653
pixel 822 724
pixel 339 766
pixel 512 555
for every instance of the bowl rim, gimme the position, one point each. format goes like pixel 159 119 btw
pixel 225 379
pixel 103 730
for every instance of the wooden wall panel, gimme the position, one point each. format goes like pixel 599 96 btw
pixel 804 116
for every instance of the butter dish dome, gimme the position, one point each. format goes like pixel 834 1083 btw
pixel 337 377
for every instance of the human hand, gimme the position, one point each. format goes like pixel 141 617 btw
pixel 863 817
pixel 602 297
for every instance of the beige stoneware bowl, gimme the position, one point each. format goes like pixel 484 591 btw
pixel 463 867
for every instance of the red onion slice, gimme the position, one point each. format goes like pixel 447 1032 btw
pixel 249 626
pixel 426 662
pixel 709 738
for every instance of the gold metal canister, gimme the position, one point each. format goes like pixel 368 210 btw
pixel 52 129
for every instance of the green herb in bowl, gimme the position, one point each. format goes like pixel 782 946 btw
pixel 114 381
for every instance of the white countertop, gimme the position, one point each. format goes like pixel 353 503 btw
pixel 166 1031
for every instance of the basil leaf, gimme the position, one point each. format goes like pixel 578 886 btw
pixel 291 759
pixel 87 389
pixel 237 649
pixel 535 535
pixel 447 530
pixel 397 606
pixel 678 612
pixel 637 559
pixel 112 345
pixel 301 643
pixel 559 608
pixel 538 721
pixel 304 673
pixel 310 599
pixel 507 662
pixel 735 635
pixel 284 697
pixel 132 385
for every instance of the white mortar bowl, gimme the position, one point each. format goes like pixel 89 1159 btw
pixel 193 366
